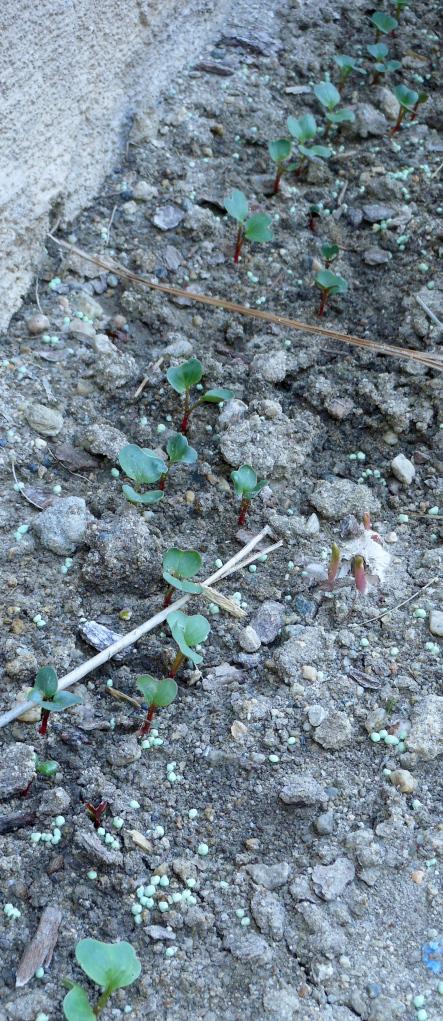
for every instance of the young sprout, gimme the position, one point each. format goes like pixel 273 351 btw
pixel 329 284
pixel 257 227
pixel 46 767
pixel 347 65
pixel 409 101
pixel 157 695
pixel 45 693
pixel 379 51
pixel 358 570
pixel 304 129
pixel 246 486
pixel 179 566
pixel 400 6
pixel 96 812
pixel 383 23
pixel 279 151
pixel 313 216
pixel 179 452
pixel 333 566
pixel 329 253
pixel 144 468
pixel 329 97
pixel 182 378
pixel 187 631
pixel 111 966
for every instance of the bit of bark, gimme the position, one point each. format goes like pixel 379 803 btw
pixel 39 951
pixel 140 840
pixel 17 821
pixel 100 637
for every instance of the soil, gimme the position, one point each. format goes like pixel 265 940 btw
pixel 319 896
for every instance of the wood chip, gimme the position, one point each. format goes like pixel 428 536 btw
pixel 100 637
pixel 74 457
pixel 140 840
pixel 16 821
pixel 37 497
pixel 39 951
pixel 226 604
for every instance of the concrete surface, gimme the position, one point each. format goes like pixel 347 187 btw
pixel 72 74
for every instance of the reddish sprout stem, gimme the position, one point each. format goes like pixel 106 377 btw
pixel 323 303
pixel 162 483
pixel 179 659
pixel 168 597
pixel 186 412
pixel 239 242
pixel 146 725
pixel 96 812
pixel 277 180
pixel 398 123
pixel 44 722
pixel 358 570
pixel 244 507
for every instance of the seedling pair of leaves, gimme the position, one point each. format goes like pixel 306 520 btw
pixel 383 23
pixel 188 632
pixel 330 98
pixel 182 378
pixel 179 566
pixel 379 52
pixel 257 227
pixel 144 467
pixel 304 130
pixel 346 66
pixel 246 486
pixel 329 284
pixel 111 966
pixel 45 694
pixel 409 101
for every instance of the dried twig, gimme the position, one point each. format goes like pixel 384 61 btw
pixel 432 361
pixel 21 491
pixel 428 311
pixel 108 229
pixel 40 950
pixel 390 609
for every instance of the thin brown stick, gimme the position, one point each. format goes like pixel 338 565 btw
pixel 390 609
pixel 432 361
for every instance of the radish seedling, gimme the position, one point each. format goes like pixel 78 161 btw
pixel 329 253
pixel 96 812
pixel 187 631
pixel 257 227
pixel 329 97
pixel 179 566
pixel 329 284
pixel 379 51
pixel 279 151
pixel 246 486
pixel 383 23
pixel 358 570
pixel 45 694
pixel 400 6
pixel 182 378
pixel 409 101
pixel 157 695
pixel 111 966
pixel 304 129
pixel 347 65
pixel 144 468
pixel 333 566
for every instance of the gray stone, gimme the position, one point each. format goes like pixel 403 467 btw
pixel 158 932
pixel 249 639
pixel 426 736
pixel 104 439
pixel 55 802
pixel 403 469
pixel 335 732
pixel 270 876
pixel 144 192
pixel 271 367
pixel 44 420
pixel 124 753
pixel 38 323
pixel 61 528
pixel 316 715
pixel 81 330
pixel 268 913
pixel 167 217
pixel 95 851
pixel 281 1002
pixel 384 1008
pixel 376 256
pixel 88 305
pixel 376 211
pixel 303 790
pixel 18 770
pixel 122 553
pixel 335 499
pixel 324 824
pixel 268 621
pixel 330 880
pixel 275 447
pixel 369 121
pixel 388 102
pixel 231 412
pixel 248 946
pixel 436 623
pixel 113 368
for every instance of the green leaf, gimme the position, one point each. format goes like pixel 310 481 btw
pixel 215 396
pixel 182 377
pixel 179 450
pixel 341 116
pixel 188 631
pixel 331 283
pixel 280 149
pixel 304 129
pixel 406 97
pixel 258 228
pixel 46 768
pixel 390 65
pixel 236 205
pixel 346 63
pixel 384 22
pixel 182 586
pixel 182 563
pixel 46 681
pixel 246 483
pixel 62 700
pixel 327 95
pixel 158 693
pixel 329 252
pixel 153 496
pixel 378 50
pixel 141 465
pixel 111 965
pixel 316 152
pixel 76 1006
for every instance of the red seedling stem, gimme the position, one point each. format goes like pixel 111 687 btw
pixel 397 126
pixel 186 412
pixel 244 507
pixel 96 812
pixel 44 721
pixel 323 303
pixel 146 726
pixel 162 483
pixel 239 242
pixel 168 597
pixel 278 178
pixel 179 659
pixel 312 222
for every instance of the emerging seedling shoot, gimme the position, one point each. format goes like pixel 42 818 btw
pixel 329 284
pixel 157 694
pixel 379 52
pixel 384 24
pixel 188 632
pixel 96 812
pixel 45 694
pixel 246 486
pixel 329 253
pixel 111 966
pixel 399 7
pixel 257 227
pixel 329 97
pixel 409 101
pixel 178 567
pixel 182 378
pixel 304 129
pixel 333 566
pixel 358 570
pixel 144 467
pixel 279 151
pixel 346 65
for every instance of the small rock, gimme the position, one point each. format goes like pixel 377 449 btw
pixel 144 192
pixel 61 528
pixel 104 439
pixel 316 715
pixel 122 553
pixel 158 932
pixel 24 665
pixel 44 420
pixel 55 802
pixel 95 851
pixel 304 607
pixel 268 913
pixel 309 673
pixel 81 330
pixel 281 1002
pixel 270 876
pixel 249 639
pixel 403 469
pixel 167 217
pixel 38 323
pixel 274 446
pixel 312 526
pixel 231 412
pixel 324 824
pixel 122 754
pixel 404 780
pixel 426 736
pixel 330 880
pixel 248 946
pixel 389 103
pixel 335 499
pixel 335 732
pixel 376 256
pixel 172 258
pixel 113 368
pixel 376 211
pixel 88 305
pixel 436 623
pixel 369 121
pixel 268 621
pixel 303 790
pixel 272 368
pixel 20 770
